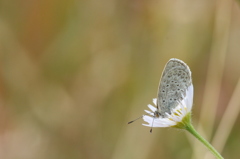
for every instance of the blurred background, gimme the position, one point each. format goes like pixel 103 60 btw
pixel 73 73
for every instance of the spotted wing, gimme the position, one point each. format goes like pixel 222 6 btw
pixel 176 78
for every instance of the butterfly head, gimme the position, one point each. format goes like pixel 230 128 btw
pixel 157 114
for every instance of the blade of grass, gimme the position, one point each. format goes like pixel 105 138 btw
pixel 228 120
pixel 215 69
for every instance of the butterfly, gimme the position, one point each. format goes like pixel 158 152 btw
pixel 175 87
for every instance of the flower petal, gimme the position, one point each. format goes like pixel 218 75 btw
pixel 155 101
pixel 189 96
pixel 152 107
pixel 158 122
pixel 150 113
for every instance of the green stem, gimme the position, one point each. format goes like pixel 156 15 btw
pixel 186 124
pixel 191 129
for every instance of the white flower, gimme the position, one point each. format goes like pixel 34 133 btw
pixel 177 114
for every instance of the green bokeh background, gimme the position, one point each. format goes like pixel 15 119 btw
pixel 73 73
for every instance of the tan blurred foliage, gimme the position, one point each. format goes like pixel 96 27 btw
pixel 73 73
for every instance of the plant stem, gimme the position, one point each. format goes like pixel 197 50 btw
pixel 191 129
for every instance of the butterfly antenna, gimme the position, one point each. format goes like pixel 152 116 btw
pixel 152 125
pixel 138 118
pixel 135 119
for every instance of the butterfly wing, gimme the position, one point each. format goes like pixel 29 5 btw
pixel 175 80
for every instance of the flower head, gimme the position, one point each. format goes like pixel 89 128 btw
pixel 175 117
